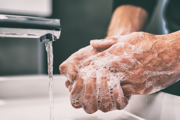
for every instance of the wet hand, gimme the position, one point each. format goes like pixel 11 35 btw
pixel 93 88
pixel 138 63
pixel 147 62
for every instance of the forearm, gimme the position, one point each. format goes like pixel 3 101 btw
pixel 139 63
pixel 127 19
pixel 160 63
pixel 169 50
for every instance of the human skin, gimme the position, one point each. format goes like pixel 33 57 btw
pixel 157 57
pixel 138 63
pixel 125 19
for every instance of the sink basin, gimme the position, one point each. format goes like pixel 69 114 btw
pixel 38 109
pixel 26 98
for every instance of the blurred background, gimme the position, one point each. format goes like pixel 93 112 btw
pixel 81 21
pixel 26 97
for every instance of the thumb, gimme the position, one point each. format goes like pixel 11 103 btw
pixel 102 44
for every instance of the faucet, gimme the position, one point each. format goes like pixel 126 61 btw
pixel 29 27
pixel 45 30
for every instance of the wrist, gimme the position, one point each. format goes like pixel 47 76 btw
pixel 127 19
pixel 171 36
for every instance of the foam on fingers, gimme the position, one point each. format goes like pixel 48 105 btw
pixel 104 92
pixel 69 70
pixel 77 93
pixel 90 102
pixel 118 96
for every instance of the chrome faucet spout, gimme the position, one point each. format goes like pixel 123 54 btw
pixel 29 27
pixel 47 38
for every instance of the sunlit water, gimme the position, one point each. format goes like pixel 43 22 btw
pixel 49 51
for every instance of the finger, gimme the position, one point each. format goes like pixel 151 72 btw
pixel 118 96
pixel 90 102
pixel 63 68
pixel 104 93
pixel 76 96
pixel 70 87
pixel 68 69
pixel 127 89
pixel 102 44
pixel 67 83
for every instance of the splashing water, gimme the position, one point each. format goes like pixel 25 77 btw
pixel 49 51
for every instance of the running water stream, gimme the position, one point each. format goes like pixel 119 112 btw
pixel 49 51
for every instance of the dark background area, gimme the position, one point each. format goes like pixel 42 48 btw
pixel 81 21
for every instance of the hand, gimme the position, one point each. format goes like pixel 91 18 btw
pixel 87 91
pixel 125 20
pixel 148 62
pixel 138 63
pixel 70 67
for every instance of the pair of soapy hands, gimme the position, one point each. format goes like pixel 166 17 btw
pixel 104 75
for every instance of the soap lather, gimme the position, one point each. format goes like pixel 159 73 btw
pixel 29 27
